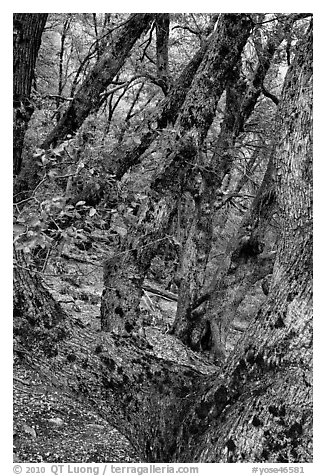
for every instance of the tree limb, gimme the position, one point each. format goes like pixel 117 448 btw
pixel 270 95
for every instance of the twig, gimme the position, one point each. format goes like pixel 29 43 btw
pixel 149 41
pixel 148 302
pixel 193 32
pixel 33 193
pixel 80 260
pixel 46 259
pixel 17 379
pixel 159 292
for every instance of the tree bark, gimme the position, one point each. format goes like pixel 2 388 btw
pixel 62 79
pixel 39 321
pixel 88 97
pixel 273 414
pixel 241 98
pixel 125 271
pixel 167 112
pixel 194 256
pixel 247 261
pixel 28 29
pixel 162 49
pixel 121 377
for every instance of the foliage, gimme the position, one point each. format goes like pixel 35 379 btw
pixel 48 217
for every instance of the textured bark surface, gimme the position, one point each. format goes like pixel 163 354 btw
pixel 241 98
pixel 247 259
pixel 162 49
pixel 167 113
pixel 176 166
pixel 267 388
pixel 198 244
pixel 88 97
pixel 38 321
pixel 28 29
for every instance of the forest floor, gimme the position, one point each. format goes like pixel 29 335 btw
pixel 50 426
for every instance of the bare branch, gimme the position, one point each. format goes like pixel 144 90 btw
pixel 269 95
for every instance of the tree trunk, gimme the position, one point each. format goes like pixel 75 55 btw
pixel 195 254
pixel 88 98
pixel 121 377
pixel 62 79
pixel 162 50
pixel 28 29
pixel 241 98
pixel 261 409
pixel 38 320
pixel 247 260
pixel 167 113
pixel 176 171
pixel 274 363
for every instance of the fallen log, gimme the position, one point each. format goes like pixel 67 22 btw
pixel 157 290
